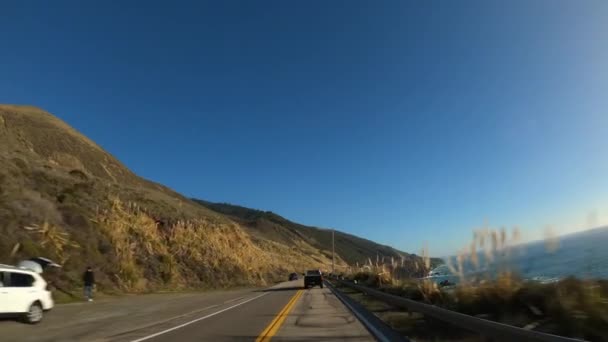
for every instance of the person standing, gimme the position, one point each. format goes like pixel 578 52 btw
pixel 88 279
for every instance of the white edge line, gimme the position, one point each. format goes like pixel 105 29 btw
pixel 377 333
pixel 233 300
pixel 198 319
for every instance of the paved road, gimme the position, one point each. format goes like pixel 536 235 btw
pixel 285 312
pixel 320 316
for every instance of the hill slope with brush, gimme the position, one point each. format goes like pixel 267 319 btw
pixel 269 225
pixel 64 197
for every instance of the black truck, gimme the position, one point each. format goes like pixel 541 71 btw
pixel 313 278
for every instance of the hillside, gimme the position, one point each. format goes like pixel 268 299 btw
pixel 64 197
pixel 268 225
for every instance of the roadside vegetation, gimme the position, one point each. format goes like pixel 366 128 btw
pixel 134 252
pixel 570 307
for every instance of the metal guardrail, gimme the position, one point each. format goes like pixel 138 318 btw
pixel 490 329
pixel 379 329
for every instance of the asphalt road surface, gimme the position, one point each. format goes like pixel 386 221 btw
pixel 285 312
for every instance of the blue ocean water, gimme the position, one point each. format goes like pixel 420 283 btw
pixel 583 255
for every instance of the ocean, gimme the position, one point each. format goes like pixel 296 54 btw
pixel 583 255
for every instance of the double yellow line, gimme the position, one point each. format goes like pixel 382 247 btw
pixel 276 323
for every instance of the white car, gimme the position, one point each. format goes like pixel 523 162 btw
pixel 23 293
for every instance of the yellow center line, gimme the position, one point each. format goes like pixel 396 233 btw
pixel 276 323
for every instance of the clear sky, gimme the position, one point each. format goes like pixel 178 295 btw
pixel 400 121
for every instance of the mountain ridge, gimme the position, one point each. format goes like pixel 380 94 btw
pixel 254 220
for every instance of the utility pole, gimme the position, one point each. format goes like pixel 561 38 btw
pixel 333 253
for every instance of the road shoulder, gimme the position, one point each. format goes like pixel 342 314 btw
pixel 319 315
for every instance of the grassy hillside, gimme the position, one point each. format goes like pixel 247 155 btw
pixel 64 197
pixel 269 225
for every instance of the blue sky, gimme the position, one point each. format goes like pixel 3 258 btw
pixel 400 121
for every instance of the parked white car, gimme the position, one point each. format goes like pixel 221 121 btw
pixel 23 294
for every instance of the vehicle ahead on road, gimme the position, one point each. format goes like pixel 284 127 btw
pixel 313 278
pixel 23 294
pixel 293 276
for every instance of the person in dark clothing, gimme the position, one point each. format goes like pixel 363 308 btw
pixel 89 282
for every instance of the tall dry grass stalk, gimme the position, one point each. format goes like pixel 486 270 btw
pixel 551 239
pixel 495 245
pixel 54 238
pixel 15 249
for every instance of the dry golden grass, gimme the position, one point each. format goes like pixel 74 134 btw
pixel 54 238
pixel 190 252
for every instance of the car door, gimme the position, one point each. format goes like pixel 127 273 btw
pixel 5 295
pixel 19 290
